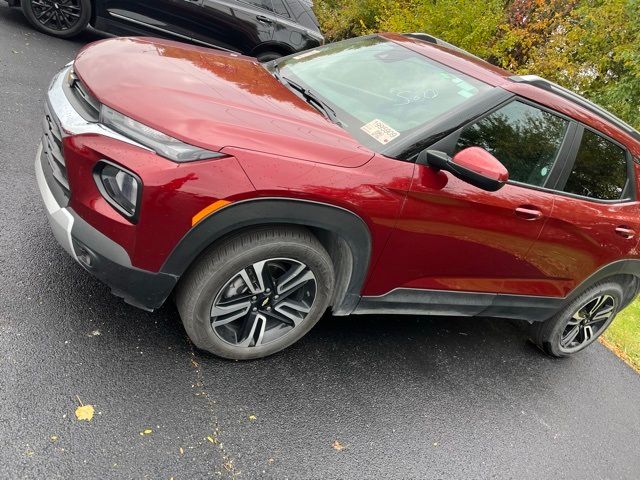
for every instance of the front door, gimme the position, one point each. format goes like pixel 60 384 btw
pixel 455 237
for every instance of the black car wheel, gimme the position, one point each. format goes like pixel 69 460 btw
pixel 256 293
pixel 268 56
pixel 581 322
pixel 60 18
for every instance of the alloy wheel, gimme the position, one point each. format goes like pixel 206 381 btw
pixel 263 302
pixel 59 15
pixel 587 323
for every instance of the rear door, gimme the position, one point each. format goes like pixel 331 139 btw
pixel 238 25
pixel 596 216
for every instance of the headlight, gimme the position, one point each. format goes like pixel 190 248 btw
pixel 121 188
pixel 162 144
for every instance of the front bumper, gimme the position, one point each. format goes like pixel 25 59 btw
pixel 97 253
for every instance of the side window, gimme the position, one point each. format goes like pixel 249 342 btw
pixel 525 139
pixel 600 170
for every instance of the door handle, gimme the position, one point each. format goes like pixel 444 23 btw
pixel 263 19
pixel 625 232
pixel 528 212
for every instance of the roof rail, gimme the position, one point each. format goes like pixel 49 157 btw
pixel 438 41
pixel 577 99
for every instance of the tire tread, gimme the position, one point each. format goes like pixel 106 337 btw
pixel 187 296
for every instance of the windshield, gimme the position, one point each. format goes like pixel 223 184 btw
pixel 379 90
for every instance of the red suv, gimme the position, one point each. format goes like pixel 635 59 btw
pixel 384 174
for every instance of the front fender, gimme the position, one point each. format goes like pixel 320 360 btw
pixel 338 221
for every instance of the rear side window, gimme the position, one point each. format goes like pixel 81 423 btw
pixel 600 170
pixel 524 138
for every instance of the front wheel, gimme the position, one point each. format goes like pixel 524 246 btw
pixel 256 293
pixel 59 18
pixel 581 322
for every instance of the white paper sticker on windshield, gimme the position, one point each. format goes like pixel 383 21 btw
pixel 379 130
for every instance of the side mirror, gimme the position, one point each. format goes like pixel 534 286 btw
pixel 473 165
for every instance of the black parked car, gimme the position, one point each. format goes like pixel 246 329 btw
pixel 266 29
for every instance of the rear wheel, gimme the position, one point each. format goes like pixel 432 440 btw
pixel 268 56
pixel 60 18
pixel 581 322
pixel 256 293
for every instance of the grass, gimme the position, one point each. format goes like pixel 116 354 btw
pixel 623 336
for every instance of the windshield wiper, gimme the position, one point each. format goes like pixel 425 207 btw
pixel 310 97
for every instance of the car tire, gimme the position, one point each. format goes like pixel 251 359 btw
pixel 216 290
pixel 267 56
pixel 66 20
pixel 585 318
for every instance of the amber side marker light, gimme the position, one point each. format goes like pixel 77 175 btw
pixel 208 210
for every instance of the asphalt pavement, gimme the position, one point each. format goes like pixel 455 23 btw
pixel 360 397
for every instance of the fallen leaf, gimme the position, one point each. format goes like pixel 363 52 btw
pixel 337 446
pixel 146 431
pixel 53 438
pixel 210 438
pixel 84 412
pixel 252 417
pixel 181 451
pixel 270 461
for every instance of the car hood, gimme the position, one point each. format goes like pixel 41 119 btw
pixel 211 99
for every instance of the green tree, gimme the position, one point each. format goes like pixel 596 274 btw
pixel 469 24
pixel 591 46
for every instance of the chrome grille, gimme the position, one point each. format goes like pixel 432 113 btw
pixel 52 145
pixel 87 102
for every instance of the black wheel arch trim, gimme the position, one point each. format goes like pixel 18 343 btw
pixel 343 223
pixel 628 267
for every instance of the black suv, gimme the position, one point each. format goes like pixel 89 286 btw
pixel 266 29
